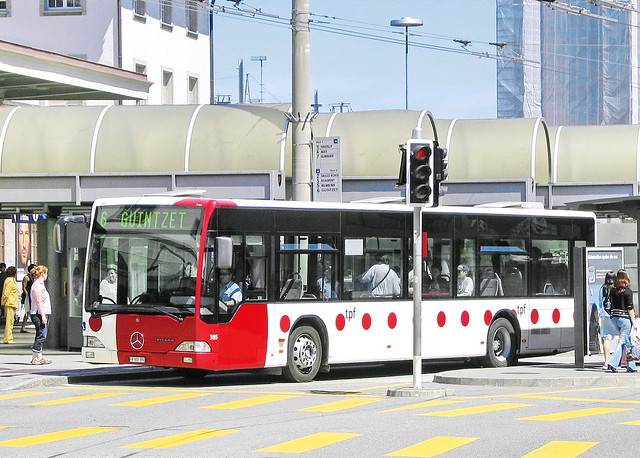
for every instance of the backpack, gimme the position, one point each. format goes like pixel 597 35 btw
pixel 606 299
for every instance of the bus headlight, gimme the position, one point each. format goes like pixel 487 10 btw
pixel 194 346
pixel 92 341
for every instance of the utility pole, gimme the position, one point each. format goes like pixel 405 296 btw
pixel 301 100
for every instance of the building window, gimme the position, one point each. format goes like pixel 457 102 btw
pixel 167 87
pixel 141 68
pixel 52 4
pixel 192 94
pixel 166 12
pixel 61 7
pixel 4 8
pixel 139 7
pixel 191 15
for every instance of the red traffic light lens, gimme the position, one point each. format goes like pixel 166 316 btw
pixel 423 153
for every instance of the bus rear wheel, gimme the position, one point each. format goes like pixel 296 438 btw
pixel 304 356
pixel 501 344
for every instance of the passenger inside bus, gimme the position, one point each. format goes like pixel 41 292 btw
pixel 465 283
pixel 438 283
pixel 328 288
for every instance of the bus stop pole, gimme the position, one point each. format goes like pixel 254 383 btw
pixel 417 297
pixel 579 300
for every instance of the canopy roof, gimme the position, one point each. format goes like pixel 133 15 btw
pixel 33 74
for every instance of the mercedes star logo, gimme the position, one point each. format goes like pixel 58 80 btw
pixel 136 340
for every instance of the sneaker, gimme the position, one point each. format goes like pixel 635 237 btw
pixel 40 361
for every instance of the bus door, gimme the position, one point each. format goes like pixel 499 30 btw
pixel 233 303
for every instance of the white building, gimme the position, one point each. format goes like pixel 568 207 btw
pixel 167 40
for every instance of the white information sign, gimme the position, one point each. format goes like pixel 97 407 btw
pixel 327 167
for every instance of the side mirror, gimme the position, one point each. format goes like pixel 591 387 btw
pixel 224 252
pixel 60 232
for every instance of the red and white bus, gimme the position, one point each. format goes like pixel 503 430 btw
pixel 304 303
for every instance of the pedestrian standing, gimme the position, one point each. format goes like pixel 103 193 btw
pixel 10 299
pixel 623 317
pixel 27 281
pixel 40 312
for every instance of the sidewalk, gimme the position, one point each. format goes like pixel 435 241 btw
pixel 16 372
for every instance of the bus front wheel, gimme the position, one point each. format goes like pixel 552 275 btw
pixel 501 344
pixel 304 356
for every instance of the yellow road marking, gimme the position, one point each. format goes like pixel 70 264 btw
pixel 160 400
pixel 86 397
pixel 420 405
pixel 560 449
pixel 573 414
pixel 307 443
pixel 475 410
pixel 23 394
pixel 557 398
pixel 181 439
pixel 249 402
pixel 632 423
pixel 54 437
pixel 340 405
pixel 434 446
pixel 6 427
pixel 489 396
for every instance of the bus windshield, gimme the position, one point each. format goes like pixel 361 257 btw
pixel 143 260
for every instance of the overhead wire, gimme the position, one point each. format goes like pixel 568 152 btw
pixel 384 34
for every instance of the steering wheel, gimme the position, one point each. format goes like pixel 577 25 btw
pixel 139 297
pixel 110 299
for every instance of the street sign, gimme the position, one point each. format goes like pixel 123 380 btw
pixel 327 167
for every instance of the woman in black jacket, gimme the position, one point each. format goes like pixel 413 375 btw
pixel 624 317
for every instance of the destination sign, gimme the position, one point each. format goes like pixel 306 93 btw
pixel 149 218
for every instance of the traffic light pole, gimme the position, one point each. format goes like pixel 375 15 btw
pixel 417 297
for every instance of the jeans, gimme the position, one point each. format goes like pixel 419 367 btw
pixel 41 332
pixel 624 324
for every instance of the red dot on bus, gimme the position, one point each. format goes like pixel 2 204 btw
pixel 285 323
pixel 366 321
pixel 487 317
pixel 464 318
pixel 534 316
pixel 514 312
pixel 340 322
pixel 442 319
pixel 556 316
pixel 392 320
pixel 95 324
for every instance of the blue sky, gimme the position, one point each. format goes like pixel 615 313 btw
pixel 368 73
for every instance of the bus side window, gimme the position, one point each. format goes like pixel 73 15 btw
pixel 256 268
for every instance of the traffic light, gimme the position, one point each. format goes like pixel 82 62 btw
pixel 420 176
pixel 440 171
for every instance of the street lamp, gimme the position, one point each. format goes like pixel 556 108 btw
pixel 406 22
pixel 261 59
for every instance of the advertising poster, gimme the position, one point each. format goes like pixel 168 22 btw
pixel 599 262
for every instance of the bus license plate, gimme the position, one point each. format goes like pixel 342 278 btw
pixel 137 359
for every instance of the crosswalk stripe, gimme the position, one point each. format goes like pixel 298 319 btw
pixel 420 405
pixel 632 423
pixel 561 449
pixel 557 398
pixel 573 414
pixel 433 447
pixel 85 397
pixel 54 437
pixel 307 443
pixel 23 394
pixel 340 405
pixel 160 400
pixel 475 410
pixel 181 439
pixel 249 402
